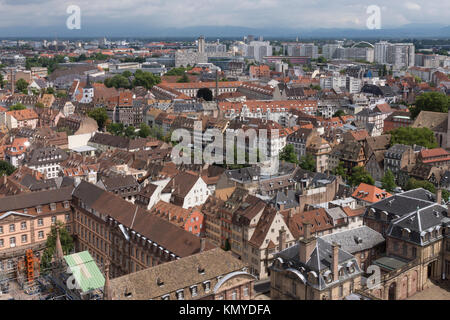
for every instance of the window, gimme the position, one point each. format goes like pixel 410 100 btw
pixel 207 286
pixel 40 234
pixel 67 217
pixel 180 295
pixel 53 206
pixel 24 238
pixel 23 225
pixel 12 241
pixel 2 243
pixel 1 232
pixel 363 255
pixel 194 291
pixel 166 297
pixel 246 291
pixel 53 220
pixel 40 222
pixel 234 295
pixel 12 228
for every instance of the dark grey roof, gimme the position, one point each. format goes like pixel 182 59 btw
pixel 33 199
pixel 319 263
pixel 396 151
pixel 187 107
pixel 355 240
pixel 33 184
pixel 117 182
pixel 288 199
pixel 110 140
pixel 46 155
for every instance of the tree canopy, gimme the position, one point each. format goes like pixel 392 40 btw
pixel 145 79
pixel 6 168
pixel 430 101
pixel 21 84
pixel 359 175
pixel 99 115
pixel 288 154
pixel 144 130
pixel 307 162
pixel 66 243
pixel 339 113
pixel 115 128
pixel 410 136
pixel 388 181
pixel 17 106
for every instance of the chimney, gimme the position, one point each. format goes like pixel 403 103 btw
pixel 439 196
pixel 107 287
pixel 306 245
pixel 282 239
pixel 335 260
pixel 202 244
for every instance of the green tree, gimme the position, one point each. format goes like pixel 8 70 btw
pixel 430 101
pixel 130 132
pixel 145 79
pixel 388 181
pixel 99 115
pixel 127 74
pixel 339 113
pixel 322 59
pixel 144 130
pixel 359 175
pixel 414 184
pixel 39 105
pixel 115 128
pixel 17 106
pixel 118 81
pixel 307 162
pixel 21 84
pixel 6 168
pixel 176 71
pixel 288 154
pixel 410 136
pixel 66 243
pixel 227 246
pixel 184 79
pixel 340 170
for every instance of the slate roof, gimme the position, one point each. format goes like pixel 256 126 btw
pixel 319 261
pixel 355 240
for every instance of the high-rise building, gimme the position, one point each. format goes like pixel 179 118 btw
pixel 259 49
pixel 201 44
pixel 400 55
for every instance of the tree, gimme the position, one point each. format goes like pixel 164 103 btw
pixel 340 170
pixel 66 243
pixel 144 130
pixel 145 79
pixel 288 154
pixel 1 80
pixel 410 136
pixel 360 175
pixel 184 79
pixel 205 93
pixel 322 59
pixel 118 81
pixel 6 168
pixel 21 84
pixel 414 184
pixel 339 113
pixel 388 181
pixel 227 246
pixel 115 128
pixel 130 132
pixel 430 101
pixel 100 116
pixel 307 162
pixel 39 105
pixel 17 106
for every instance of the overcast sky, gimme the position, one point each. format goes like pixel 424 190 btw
pixel 247 13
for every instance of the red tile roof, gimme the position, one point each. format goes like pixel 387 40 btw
pixel 369 193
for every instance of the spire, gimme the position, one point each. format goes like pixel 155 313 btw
pixel 107 287
pixel 88 82
pixel 59 255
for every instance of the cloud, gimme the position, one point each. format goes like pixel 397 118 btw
pixel 412 6
pixel 301 14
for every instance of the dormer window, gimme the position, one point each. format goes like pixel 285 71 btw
pixel 194 291
pixel 180 294
pixel 39 209
pixel 53 206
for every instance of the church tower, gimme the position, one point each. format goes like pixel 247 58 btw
pixel 88 91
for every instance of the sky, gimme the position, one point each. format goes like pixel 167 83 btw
pixel 141 14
